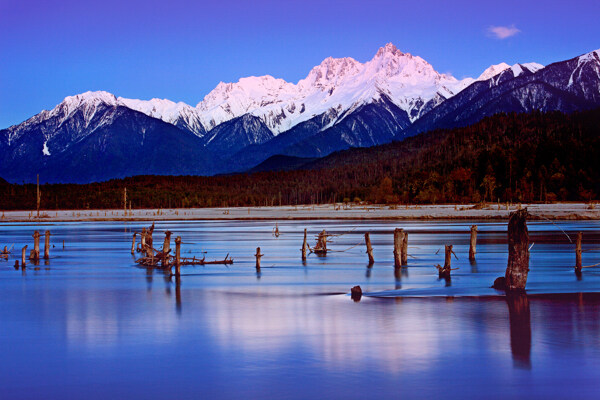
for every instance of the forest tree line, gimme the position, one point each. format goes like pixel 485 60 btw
pixel 534 157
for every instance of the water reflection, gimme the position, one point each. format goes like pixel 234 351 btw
pixel 520 329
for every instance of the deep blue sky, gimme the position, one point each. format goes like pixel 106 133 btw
pixel 180 49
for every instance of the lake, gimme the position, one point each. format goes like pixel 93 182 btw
pixel 92 324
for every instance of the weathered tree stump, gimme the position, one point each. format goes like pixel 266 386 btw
pixel 143 241
pixel 405 249
pixel 473 245
pixel 47 245
pixel 518 251
pixel 304 247
pixel 578 252
pixel 398 243
pixel 23 253
pixel 167 243
pixel 369 248
pixel 35 253
pixel 444 272
pixel 258 257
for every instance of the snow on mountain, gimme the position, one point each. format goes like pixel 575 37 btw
pixel 492 71
pixel 341 84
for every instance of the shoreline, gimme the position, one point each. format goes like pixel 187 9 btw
pixel 556 211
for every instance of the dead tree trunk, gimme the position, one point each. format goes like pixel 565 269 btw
pixel 304 246
pixel 167 243
pixel 578 252
pixel 518 251
pixel 47 245
pixel 133 244
pixel 405 249
pixel 177 255
pixel 125 201
pixel 398 242
pixel 258 257
pixel 143 242
pixel 448 256
pixel 473 246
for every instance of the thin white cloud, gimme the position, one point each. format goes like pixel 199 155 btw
pixel 503 32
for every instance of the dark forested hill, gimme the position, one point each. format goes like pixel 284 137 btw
pixel 519 157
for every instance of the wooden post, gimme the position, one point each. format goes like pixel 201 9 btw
pixel 304 246
pixel 38 196
pixel 578 252
pixel 258 256
pixel 518 251
pixel 23 252
pixel 47 245
pixel 398 241
pixel 405 249
pixel 177 255
pixel 369 248
pixel 473 246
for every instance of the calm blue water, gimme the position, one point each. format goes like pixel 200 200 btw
pixel 90 324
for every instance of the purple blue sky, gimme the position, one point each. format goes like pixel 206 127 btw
pixel 180 50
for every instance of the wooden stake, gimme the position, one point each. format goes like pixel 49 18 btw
pixel 578 252
pixel 473 246
pixel 133 243
pixel 405 249
pixel 518 251
pixel 258 257
pixel 304 246
pixel 369 248
pixel 47 245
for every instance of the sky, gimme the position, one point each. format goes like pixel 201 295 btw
pixel 181 50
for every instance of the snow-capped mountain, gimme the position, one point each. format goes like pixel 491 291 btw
pixel 565 86
pixel 341 84
pixel 341 103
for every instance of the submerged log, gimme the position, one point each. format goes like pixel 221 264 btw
pixel 369 248
pixel 578 252
pixel 473 245
pixel 518 251
pixel 47 245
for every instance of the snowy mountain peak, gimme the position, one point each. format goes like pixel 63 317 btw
pixel 492 71
pixel 389 48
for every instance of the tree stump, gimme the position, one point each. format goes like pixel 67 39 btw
pixel 23 253
pixel 143 241
pixel 473 245
pixel 356 293
pixel 405 249
pixel 47 245
pixel 133 243
pixel 369 248
pixel 35 253
pixel 258 257
pixel 578 252
pixel 167 243
pixel 398 243
pixel 518 251
pixel 304 247
pixel 177 255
